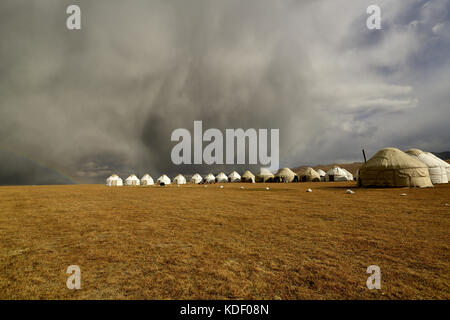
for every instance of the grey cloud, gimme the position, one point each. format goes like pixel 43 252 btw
pixel 106 99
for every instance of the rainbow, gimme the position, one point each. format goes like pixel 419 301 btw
pixel 39 162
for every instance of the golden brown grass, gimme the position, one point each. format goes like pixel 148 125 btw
pixel 211 243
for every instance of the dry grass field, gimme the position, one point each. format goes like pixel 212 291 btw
pixel 192 242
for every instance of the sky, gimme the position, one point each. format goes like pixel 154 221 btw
pixel 78 105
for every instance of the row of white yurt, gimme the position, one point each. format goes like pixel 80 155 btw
pixel 334 174
pixel 147 180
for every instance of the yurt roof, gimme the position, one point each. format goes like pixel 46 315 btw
pixel 428 159
pixel 414 151
pixel 285 172
pixel 310 172
pixel 234 174
pixel 321 172
pixel 393 158
pixel 265 172
pixel 248 174
pixel 442 162
pixel 336 170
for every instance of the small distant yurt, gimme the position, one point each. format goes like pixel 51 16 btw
pixel 286 175
pixel 437 172
pixel 196 178
pixel 309 174
pixel 322 174
pixel 248 177
pixel 132 180
pixel 392 167
pixel 163 179
pixel 114 181
pixel 221 177
pixel 265 176
pixel 210 178
pixel 179 179
pixel 147 180
pixel 349 175
pixel 234 177
pixel 337 174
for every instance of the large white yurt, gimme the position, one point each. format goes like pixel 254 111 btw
pixel 196 178
pixel 248 177
pixel 322 174
pixel 179 179
pixel 210 178
pixel 337 174
pixel 234 177
pixel 265 175
pixel 147 180
pixel 114 181
pixel 132 180
pixel 221 177
pixel 438 172
pixel 392 167
pixel 163 180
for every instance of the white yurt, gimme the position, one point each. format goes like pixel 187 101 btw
pixel 179 179
pixel 438 172
pixel 210 178
pixel 221 177
pixel 309 175
pixel 196 178
pixel 265 175
pixel 147 180
pixel 248 177
pixel 391 167
pixel 286 175
pixel 163 179
pixel 114 181
pixel 349 175
pixel 132 180
pixel 234 177
pixel 446 165
pixel 337 174
pixel 322 174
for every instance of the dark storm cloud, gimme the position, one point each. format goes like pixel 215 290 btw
pixel 106 98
